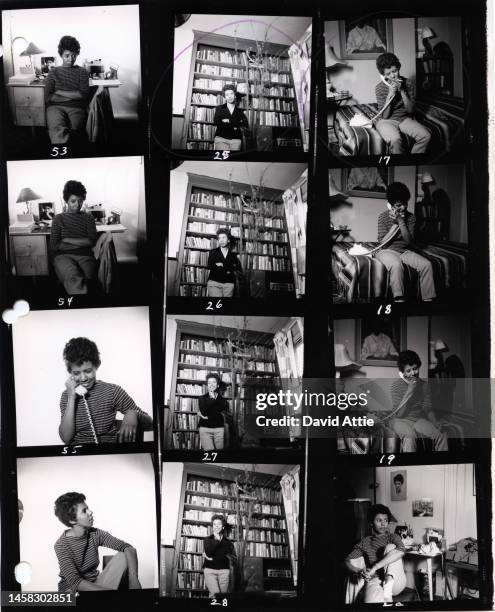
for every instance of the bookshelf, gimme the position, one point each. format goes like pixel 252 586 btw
pixel 261 238
pixel 202 349
pixel 206 492
pixel 266 93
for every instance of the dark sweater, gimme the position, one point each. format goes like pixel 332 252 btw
pixel 232 129
pixel 218 550
pixel 74 78
pixel 225 272
pixel 212 410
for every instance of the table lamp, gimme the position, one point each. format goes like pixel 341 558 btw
pixel 30 50
pixel 427 179
pixel 27 195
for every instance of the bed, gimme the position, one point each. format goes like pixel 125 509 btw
pixel 444 117
pixel 363 278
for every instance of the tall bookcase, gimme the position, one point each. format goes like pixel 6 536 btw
pixel 266 92
pixel 202 349
pixel 261 236
pixel 209 490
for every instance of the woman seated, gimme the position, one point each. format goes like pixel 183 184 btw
pixel 73 236
pixel 89 406
pixel 77 551
pixel 66 94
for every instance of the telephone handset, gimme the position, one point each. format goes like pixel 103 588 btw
pixel 389 206
pixel 80 390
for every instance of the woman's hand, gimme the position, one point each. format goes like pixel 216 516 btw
pixel 367 574
pixel 128 429
pixel 225 120
pixel 69 94
pixel 207 558
pixel 70 385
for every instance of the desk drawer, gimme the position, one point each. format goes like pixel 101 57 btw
pixel 32 116
pixel 27 246
pixel 29 96
pixel 31 266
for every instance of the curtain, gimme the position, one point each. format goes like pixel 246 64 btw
pixel 290 494
pixel 460 503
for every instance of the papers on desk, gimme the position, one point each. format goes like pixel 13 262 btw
pixel 21 227
pixel 22 79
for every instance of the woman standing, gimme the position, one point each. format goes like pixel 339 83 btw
pixel 211 419
pixel 223 265
pixel 217 550
pixel 230 120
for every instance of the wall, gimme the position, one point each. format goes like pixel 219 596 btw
pixel 416 340
pixel 276 176
pixel 452 179
pixel 362 213
pixel 365 73
pixel 93 27
pixel 110 181
pixel 448 30
pixel 436 482
pixel 261 324
pixel 122 337
pixel 104 479
pixel 282 30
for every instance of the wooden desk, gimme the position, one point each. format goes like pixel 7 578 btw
pixel 27 100
pixel 30 251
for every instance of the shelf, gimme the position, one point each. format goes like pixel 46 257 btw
pixel 241 66
pixel 229 510
pixel 220 496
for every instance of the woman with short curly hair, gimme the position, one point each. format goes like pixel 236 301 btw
pixel 77 551
pixel 89 406
pixel 66 94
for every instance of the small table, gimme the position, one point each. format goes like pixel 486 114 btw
pixel 419 556
pixel 460 568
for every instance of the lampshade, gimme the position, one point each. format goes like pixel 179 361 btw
pixel 441 346
pixel 427 178
pixel 333 190
pixel 427 32
pixel 32 49
pixel 27 194
pixel 343 359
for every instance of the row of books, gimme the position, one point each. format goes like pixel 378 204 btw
pixel 185 440
pixel 274 235
pixel 186 421
pixel 189 580
pixel 194 275
pixel 272 551
pixel 256 351
pixel 194 389
pixel 190 562
pixel 210 228
pixel 260 220
pixel 186 404
pixel 272 104
pixel 208 99
pixel 205 516
pixel 198 531
pixel 199 146
pixel 236 73
pixel 212 84
pixel 201 113
pixel 214 199
pixel 271 118
pixel 208 213
pixel 255 89
pixel 193 374
pixel 191 545
pixel 204 360
pixel 198 258
pixel 201 131
pixel 267 76
pixel 230 504
pixel 265 248
pixel 273 62
pixel 264 262
pixel 209 486
pixel 250 246
pixel 256 102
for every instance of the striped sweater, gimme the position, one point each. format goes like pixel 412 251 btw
pixel 72 225
pixel 371 547
pixel 74 78
pixel 398 243
pixel 418 405
pixel 78 556
pixel 398 111
pixel 104 401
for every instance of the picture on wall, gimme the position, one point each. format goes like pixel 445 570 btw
pixel 366 38
pixel 379 340
pixel 398 485
pixel 367 182
pixel 422 507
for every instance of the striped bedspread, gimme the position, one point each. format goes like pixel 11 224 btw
pixel 362 278
pixel 443 117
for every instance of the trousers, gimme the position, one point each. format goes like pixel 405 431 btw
pixel 226 144
pixel 73 271
pixel 393 261
pixel 61 120
pixel 408 431
pixel 211 438
pixel 216 581
pixel 374 591
pixel 112 575
pixel 216 289
pixel 391 131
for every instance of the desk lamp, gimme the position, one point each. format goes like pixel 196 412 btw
pixel 30 50
pixel 27 195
